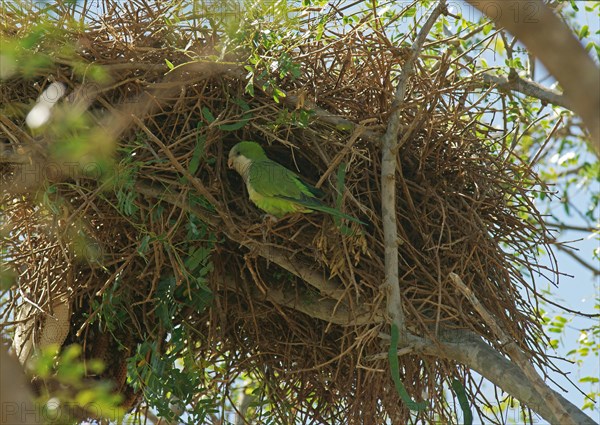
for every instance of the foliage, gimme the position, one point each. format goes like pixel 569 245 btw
pixel 72 391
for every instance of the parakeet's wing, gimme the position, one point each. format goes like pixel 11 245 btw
pixel 271 179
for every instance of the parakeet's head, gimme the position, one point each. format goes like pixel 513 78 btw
pixel 244 153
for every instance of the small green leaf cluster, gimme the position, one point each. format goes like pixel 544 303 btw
pixel 75 391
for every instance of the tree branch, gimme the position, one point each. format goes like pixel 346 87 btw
pixel 565 226
pixel 315 278
pixel 517 356
pixel 470 350
pixel 390 146
pixel 528 88
pixel 337 121
pixel 548 38
pixel 307 302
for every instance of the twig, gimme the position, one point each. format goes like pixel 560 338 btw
pixel 568 310
pixel 195 182
pixel 390 146
pixel 302 300
pixel 528 88
pixel 337 121
pixel 564 226
pixel 515 353
pixel 592 268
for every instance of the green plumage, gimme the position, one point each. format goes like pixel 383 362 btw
pixel 272 187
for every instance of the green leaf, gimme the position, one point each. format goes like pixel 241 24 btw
pixel 33 38
pixel 198 152
pixel 410 12
pixel 461 394
pixel 242 104
pixel 340 178
pixel 169 64
pixel 207 115
pixel 499 46
pixel 236 125
pixel 277 94
pixel 574 5
pixel 250 87
pixel 583 352
pixel 196 258
pixel 584 31
pixel 144 245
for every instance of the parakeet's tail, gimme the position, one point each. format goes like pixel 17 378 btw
pixel 317 205
pixel 336 213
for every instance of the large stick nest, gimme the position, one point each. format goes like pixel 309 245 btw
pixel 297 302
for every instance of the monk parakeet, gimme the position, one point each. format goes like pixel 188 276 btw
pixel 272 187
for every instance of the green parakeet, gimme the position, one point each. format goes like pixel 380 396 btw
pixel 272 187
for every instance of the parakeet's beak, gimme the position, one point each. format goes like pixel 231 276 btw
pixel 230 162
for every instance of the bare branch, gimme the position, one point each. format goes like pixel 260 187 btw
pixel 389 149
pixel 529 88
pixel 328 310
pixel 315 278
pixel 564 226
pixel 337 121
